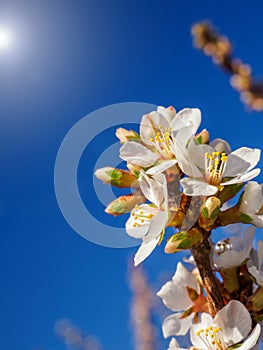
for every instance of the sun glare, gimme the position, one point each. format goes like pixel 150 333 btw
pixel 6 39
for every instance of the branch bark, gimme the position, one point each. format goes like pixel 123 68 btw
pixel 201 254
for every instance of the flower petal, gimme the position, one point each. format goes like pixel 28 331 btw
pixel 235 322
pixel 220 145
pixel 150 124
pixel 195 187
pixel 231 258
pixel 257 274
pixel 136 232
pixel 257 220
pixel 174 293
pixel 205 322
pixel 180 147
pixel 190 117
pixel 175 297
pixel 260 253
pixel 136 153
pixel 143 229
pixel 242 178
pixel 175 325
pixel 157 224
pixel 252 339
pixel 173 345
pixel 153 190
pixel 241 161
pixel 166 164
pixel 169 113
pixel 240 249
pixel 197 153
pixel 144 251
pixel 252 199
pixel 184 277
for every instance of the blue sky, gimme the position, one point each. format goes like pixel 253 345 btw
pixel 69 59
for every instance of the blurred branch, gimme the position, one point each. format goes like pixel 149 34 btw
pixel 209 40
pixel 141 310
pixel 74 338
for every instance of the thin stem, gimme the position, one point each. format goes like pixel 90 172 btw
pixel 201 254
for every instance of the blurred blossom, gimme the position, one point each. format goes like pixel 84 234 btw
pixel 74 338
pixel 141 310
pixel 208 39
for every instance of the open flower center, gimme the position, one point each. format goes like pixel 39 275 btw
pixel 162 141
pixel 215 165
pixel 211 338
pixel 141 217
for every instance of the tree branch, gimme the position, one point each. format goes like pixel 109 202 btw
pixel 201 254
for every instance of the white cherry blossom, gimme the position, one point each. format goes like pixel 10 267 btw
pixel 231 325
pixel 252 202
pixel 175 296
pixel 147 222
pixel 157 130
pixel 233 251
pixel 208 169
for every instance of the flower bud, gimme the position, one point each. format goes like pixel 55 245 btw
pixel 209 212
pixel 183 240
pixel 117 177
pixel 125 204
pixel 211 207
pixel 134 169
pixel 202 137
pixel 125 135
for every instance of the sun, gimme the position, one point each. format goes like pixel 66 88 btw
pixel 6 39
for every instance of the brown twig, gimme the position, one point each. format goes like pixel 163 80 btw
pixel 201 254
pixel 208 39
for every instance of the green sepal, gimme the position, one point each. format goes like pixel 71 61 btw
pixel 117 177
pixel 236 346
pixel 183 240
pixel 215 213
pixel 245 218
pixel 198 140
pixel 187 312
pixel 229 192
pixel 205 213
pixel 192 293
pixel 161 237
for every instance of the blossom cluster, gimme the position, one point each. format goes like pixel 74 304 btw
pixel 179 178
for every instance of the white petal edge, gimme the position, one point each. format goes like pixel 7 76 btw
pixel 144 251
pixel 235 322
pixel 252 198
pixel 175 325
pixel 242 160
pixel 173 345
pixel 242 178
pixel 187 117
pixel 166 164
pixel 194 187
pixel 184 277
pixel 136 153
pixel 252 339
